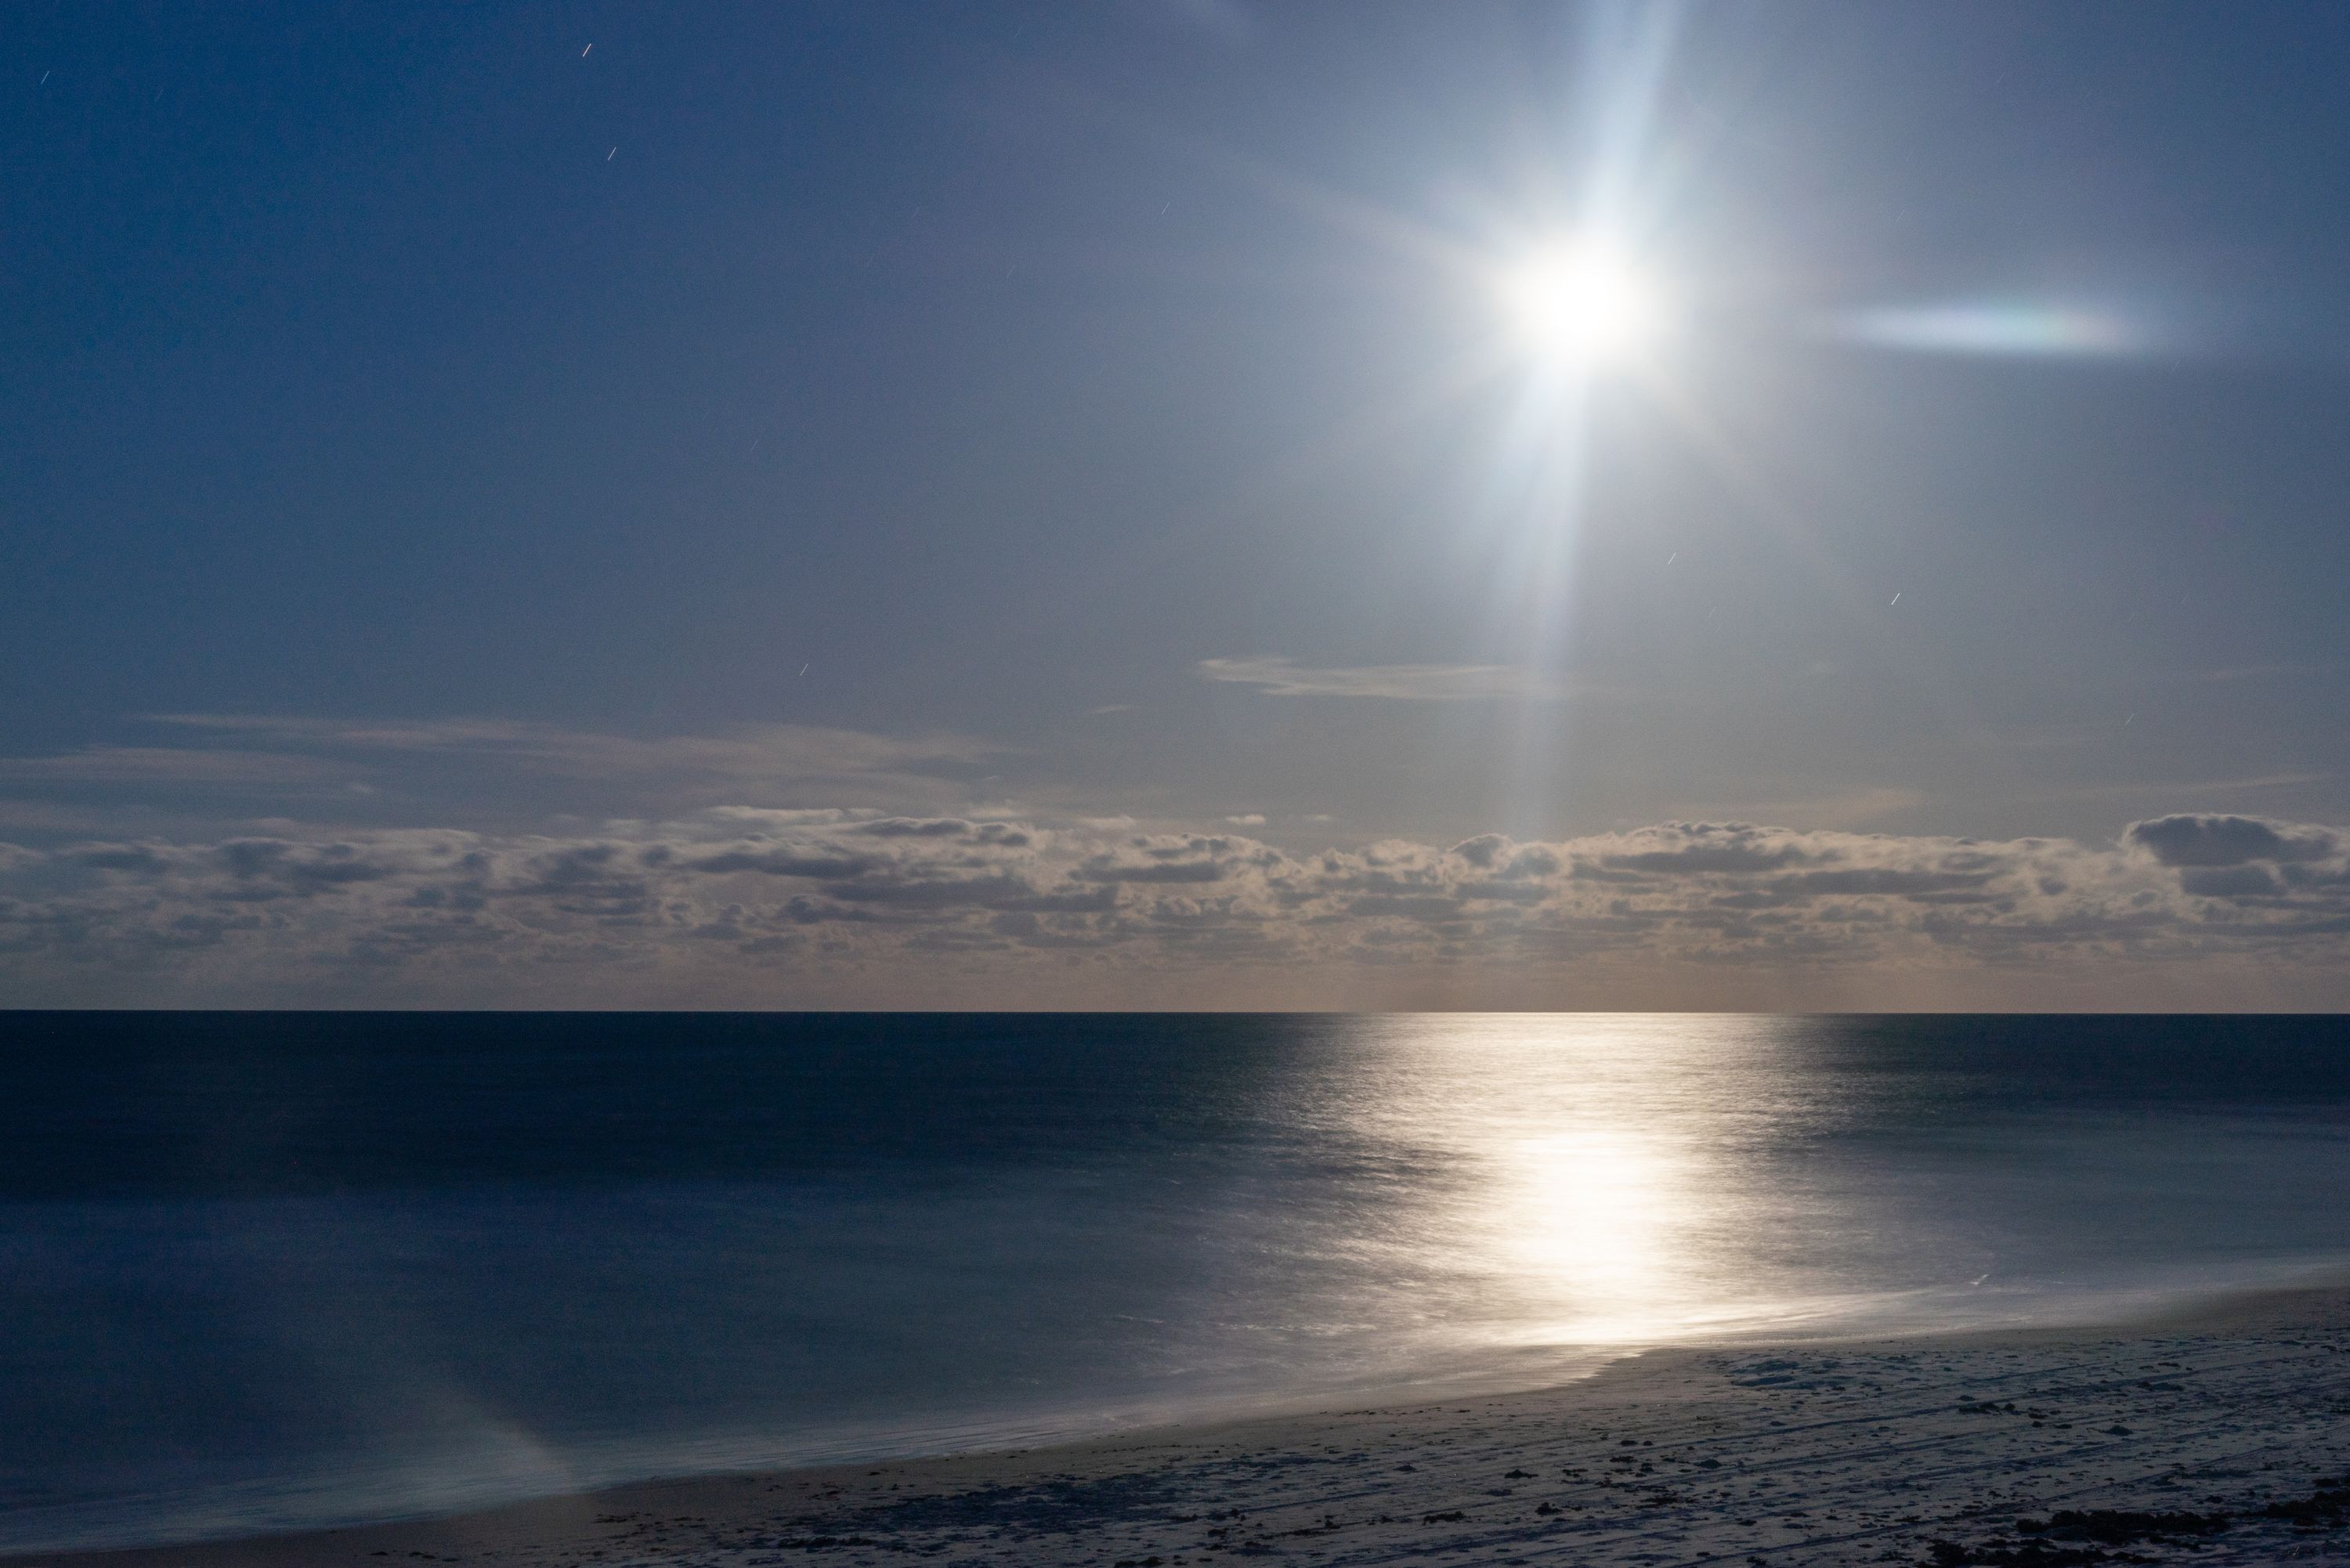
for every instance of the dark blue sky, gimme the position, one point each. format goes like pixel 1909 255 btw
pixel 473 420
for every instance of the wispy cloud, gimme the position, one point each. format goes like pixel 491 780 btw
pixel 2236 672
pixel 1402 682
pixel 2201 790
pixel 266 753
pixel 1840 809
pixel 172 765
pixel 742 750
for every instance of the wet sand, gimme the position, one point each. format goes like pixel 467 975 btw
pixel 2217 1437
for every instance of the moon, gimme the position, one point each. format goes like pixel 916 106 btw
pixel 1582 302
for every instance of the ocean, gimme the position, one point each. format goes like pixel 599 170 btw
pixel 270 1270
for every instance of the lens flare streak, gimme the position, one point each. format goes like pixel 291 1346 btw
pixel 2004 328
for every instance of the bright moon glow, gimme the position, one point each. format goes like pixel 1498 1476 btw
pixel 1584 303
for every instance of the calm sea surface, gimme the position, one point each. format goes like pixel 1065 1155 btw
pixel 264 1271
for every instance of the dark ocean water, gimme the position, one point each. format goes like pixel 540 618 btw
pixel 259 1271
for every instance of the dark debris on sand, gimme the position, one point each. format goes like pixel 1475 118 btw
pixel 2077 1536
pixel 2327 1507
pixel 2120 1526
pixel 2000 1553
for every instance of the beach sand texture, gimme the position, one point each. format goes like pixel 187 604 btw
pixel 2222 1438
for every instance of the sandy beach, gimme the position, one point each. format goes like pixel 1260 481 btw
pixel 2217 1437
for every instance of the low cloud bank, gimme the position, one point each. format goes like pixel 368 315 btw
pixel 782 906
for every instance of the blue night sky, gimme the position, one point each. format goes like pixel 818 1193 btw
pixel 1066 504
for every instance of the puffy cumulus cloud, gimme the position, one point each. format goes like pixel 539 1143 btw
pixel 2284 869
pixel 2214 840
pixel 773 901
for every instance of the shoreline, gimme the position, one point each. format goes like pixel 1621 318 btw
pixel 1827 1449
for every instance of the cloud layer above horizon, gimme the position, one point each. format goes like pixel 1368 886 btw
pixel 750 906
